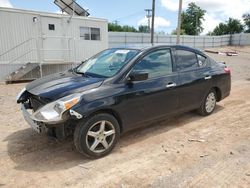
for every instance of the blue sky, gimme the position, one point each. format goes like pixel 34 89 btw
pixel 131 12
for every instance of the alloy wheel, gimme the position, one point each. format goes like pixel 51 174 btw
pixel 100 136
pixel 210 102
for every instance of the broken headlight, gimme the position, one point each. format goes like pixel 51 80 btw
pixel 53 111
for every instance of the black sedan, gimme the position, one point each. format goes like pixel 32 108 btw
pixel 120 89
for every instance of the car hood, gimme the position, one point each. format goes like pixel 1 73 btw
pixel 62 84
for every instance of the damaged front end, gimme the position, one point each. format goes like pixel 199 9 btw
pixel 53 117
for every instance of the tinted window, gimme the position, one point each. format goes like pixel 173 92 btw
pixel 157 63
pixel 202 61
pixel 186 59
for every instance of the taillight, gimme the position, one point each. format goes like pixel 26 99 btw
pixel 227 70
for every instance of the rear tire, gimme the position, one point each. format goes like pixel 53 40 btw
pixel 97 136
pixel 208 104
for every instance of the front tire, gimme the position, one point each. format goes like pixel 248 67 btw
pixel 97 136
pixel 208 104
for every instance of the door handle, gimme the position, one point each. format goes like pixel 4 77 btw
pixel 207 77
pixel 170 85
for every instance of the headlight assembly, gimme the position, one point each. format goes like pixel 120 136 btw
pixel 53 111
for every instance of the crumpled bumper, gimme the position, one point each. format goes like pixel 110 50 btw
pixel 33 124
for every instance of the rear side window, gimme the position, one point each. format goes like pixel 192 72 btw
pixel 202 61
pixel 186 60
pixel 157 63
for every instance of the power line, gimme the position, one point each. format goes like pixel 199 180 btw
pixel 130 15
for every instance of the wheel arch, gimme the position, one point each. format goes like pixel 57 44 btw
pixel 111 112
pixel 218 93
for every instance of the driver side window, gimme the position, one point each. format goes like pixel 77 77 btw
pixel 156 64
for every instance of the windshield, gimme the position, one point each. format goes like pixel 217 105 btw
pixel 107 63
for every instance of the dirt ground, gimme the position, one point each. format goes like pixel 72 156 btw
pixel 165 154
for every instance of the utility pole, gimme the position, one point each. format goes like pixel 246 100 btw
pixel 196 22
pixel 153 22
pixel 179 23
pixel 148 16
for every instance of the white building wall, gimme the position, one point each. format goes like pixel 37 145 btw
pixel 23 40
pixel 16 28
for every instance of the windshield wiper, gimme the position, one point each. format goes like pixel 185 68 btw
pixel 82 73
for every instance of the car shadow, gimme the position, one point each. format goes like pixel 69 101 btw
pixel 163 125
pixel 33 152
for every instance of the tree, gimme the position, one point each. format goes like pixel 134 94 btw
pixel 120 28
pixel 234 26
pixel 161 33
pixel 127 28
pixel 231 26
pixel 221 29
pixel 182 32
pixel 209 33
pixel 144 29
pixel 114 27
pixel 246 19
pixel 192 19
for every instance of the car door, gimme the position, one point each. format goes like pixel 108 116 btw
pixel 194 77
pixel 154 97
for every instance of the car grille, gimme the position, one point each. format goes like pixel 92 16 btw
pixel 37 102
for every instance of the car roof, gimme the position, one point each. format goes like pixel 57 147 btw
pixel 151 47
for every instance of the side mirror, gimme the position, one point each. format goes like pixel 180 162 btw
pixel 138 76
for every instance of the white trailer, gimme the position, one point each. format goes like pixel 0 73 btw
pixel 33 44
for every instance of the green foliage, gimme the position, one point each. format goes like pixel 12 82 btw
pixel 234 26
pixel 114 27
pixel 209 33
pixel 246 18
pixel 119 28
pixel 221 29
pixel 127 28
pixel 174 32
pixel 161 33
pixel 144 29
pixel 231 26
pixel 192 19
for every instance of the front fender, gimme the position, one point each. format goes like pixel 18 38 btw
pixel 87 108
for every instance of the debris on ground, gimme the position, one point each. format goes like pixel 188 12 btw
pixel 81 166
pixel 204 155
pixel 196 140
pixel 227 53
